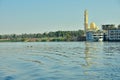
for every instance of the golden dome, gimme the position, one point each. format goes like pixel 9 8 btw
pixel 92 26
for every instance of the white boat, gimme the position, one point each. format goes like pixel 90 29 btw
pixel 94 36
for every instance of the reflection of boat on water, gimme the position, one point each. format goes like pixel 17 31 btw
pixel 87 54
pixel 90 52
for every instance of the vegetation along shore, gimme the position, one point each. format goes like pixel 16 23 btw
pixel 44 37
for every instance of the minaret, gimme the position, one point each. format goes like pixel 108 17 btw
pixel 86 20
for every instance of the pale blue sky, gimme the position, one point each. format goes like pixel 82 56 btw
pixel 38 16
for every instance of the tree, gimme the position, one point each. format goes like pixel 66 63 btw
pixel 119 26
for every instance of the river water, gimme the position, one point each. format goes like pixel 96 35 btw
pixel 60 61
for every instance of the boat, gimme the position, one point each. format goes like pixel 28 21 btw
pixel 94 36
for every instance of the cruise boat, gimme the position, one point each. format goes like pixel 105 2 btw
pixel 94 36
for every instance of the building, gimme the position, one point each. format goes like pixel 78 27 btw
pixel 113 35
pixel 92 26
pixel 106 27
pixel 92 32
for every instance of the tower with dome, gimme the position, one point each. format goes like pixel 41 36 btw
pixel 92 32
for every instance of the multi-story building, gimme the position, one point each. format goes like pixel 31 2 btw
pixel 106 27
pixel 113 35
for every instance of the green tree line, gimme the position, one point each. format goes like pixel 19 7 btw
pixel 50 36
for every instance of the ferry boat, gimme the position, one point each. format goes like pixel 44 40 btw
pixel 94 36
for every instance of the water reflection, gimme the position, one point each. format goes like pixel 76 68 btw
pixel 90 49
pixel 87 54
pixel 111 47
pixel 92 54
pixel 60 61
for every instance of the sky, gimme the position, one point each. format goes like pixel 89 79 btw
pixel 38 16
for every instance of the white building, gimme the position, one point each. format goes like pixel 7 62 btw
pixel 113 35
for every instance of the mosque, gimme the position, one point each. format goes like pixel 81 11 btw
pixel 92 27
pixel 92 32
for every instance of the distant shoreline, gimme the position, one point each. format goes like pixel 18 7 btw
pixel 57 36
pixel 42 40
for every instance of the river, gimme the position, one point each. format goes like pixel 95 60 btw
pixel 60 61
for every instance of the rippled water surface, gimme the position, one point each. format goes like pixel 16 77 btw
pixel 60 61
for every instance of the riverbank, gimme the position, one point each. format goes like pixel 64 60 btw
pixel 46 39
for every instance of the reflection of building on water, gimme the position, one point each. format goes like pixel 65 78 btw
pixel 87 58
pixel 110 48
pixel 87 54
pixel 91 50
